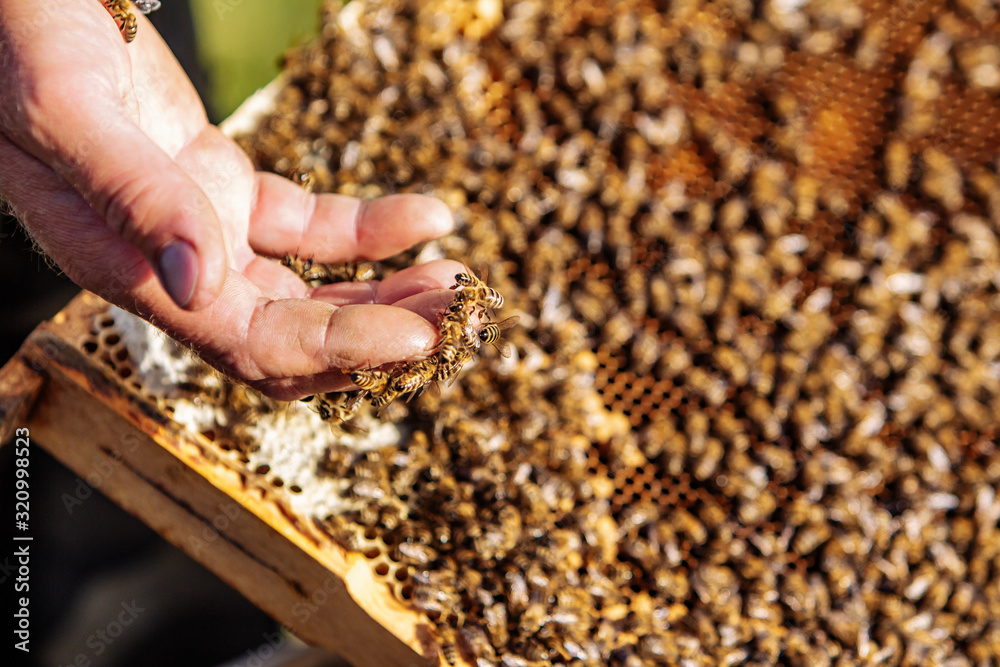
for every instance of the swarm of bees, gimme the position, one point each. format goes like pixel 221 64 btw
pixel 315 274
pixel 464 327
pixel 754 247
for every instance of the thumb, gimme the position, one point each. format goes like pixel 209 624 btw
pixel 147 199
pixel 71 101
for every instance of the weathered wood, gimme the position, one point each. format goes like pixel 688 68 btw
pixel 19 388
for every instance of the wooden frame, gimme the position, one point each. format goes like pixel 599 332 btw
pixel 224 517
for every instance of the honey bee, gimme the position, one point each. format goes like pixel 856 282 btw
pixel 470 337
pixel 415 552
pixel 497 541
pixel 323 274
pixel 245 403
pixel 363 271
pixel 118 7
pixel 459 305
pixel 338 413
pixel 447 369
pixel 303 268
pixel 479 296
pixel 453 323
pixel 130 27
pixel 490 334
pixel 477 643
pixel 458 340
pixel 347 272
pixel 475 290
pixel 448 649
pixel 455 341
pixel 373 381
pixel 304 178
pixel 127 23
pixel 415 376
pixel 388 395
pixel 496 617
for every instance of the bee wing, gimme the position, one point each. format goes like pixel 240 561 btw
pixel 385 406
pixel 429 386
pixel 453 376
pixel 350 428
pixel 509 322
pixel 354 401
pixel 415 392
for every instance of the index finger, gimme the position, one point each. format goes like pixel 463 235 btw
pixel 337 228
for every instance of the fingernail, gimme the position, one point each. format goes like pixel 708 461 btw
pixel 177 268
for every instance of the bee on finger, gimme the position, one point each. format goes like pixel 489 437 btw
pixel 481 297
pixel 303 268
pixel 415 377
pixel 380 401
pixel 130 27
pixel 466 280
pixel 347 272
pixel 463 299
pixel 470 337
pixel 446 371
pixel 127 23
pixel 453 322
pixel 316 274
pixel 118 8
pixel 449 352
pixel 469 279
pixel 476 291
pixel 459 339
pixel 304 178
pixel 452 326
pixel 373 381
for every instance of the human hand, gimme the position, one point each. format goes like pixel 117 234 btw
pixel 108 159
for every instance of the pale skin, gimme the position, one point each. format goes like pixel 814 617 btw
pixel 109 161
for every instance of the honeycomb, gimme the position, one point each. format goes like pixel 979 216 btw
pixel 751 414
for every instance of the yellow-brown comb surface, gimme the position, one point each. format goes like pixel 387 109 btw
pixel 752 416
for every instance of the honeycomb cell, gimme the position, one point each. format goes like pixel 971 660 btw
pixel 753 253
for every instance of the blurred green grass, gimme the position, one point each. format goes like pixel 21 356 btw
pixel 240 43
